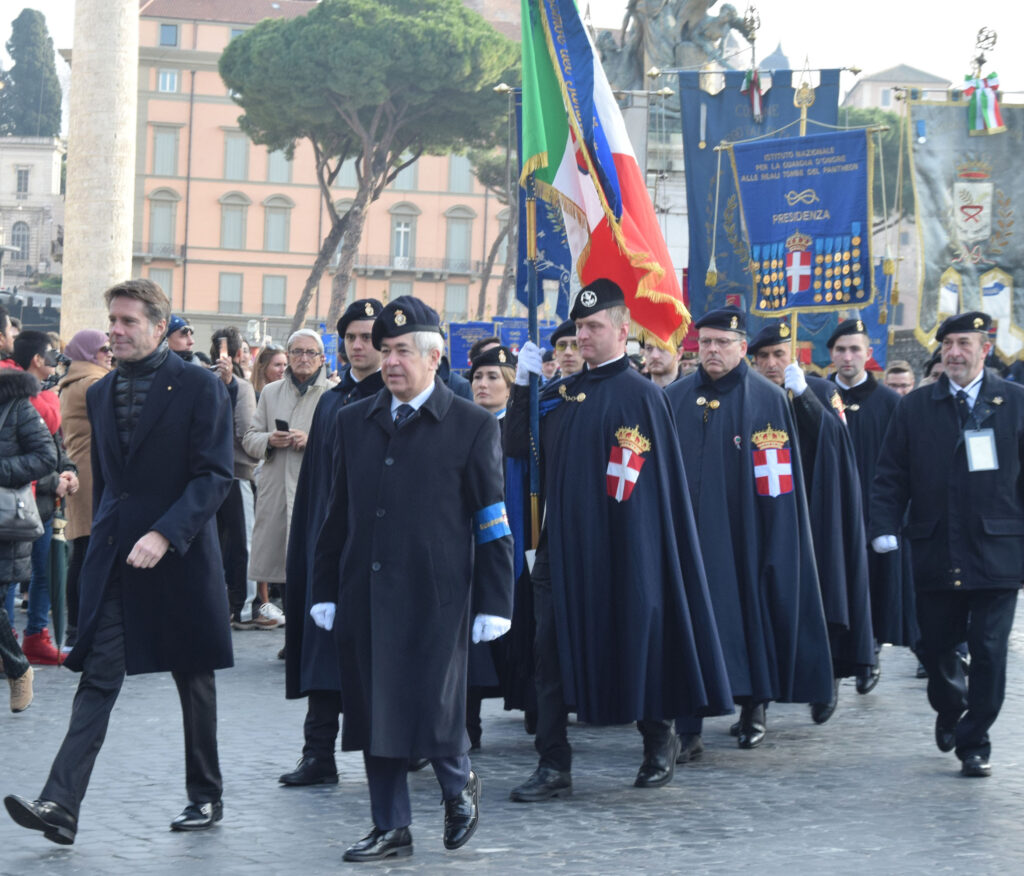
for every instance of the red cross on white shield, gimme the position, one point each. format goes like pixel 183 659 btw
pixel 623 470
pixel 798 271
pixel 773 472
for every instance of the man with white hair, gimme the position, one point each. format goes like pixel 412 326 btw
pixel 416 550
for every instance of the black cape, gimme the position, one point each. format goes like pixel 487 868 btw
pixel 757 548
pixel 868 408
pixel 636 634
pixel 837 527
pixel 311 659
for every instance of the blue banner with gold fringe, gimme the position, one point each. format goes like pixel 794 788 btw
pixel 806 207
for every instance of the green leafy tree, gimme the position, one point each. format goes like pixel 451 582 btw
pixel 380 81
pixel 898 199
pixel 31 96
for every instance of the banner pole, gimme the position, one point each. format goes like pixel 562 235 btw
pixel 531 292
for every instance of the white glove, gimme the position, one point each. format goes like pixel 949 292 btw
pixel 884 543
pixel 323 614
pixel 795 380
pixel 487 627
pixel 531 360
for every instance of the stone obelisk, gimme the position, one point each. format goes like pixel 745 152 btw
pixel 101 159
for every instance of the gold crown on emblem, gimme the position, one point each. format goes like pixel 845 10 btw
pixel 770 438
pixel 783 330
pixel 399 318
pixel 860 326
pixel 978 322
pixel 798 241
pixel 501 356
pixel 630 438
pixel 734 323
pixel 368 308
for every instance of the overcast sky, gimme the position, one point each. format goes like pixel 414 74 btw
pixel 871 34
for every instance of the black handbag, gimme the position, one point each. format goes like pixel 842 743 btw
pixel 19 517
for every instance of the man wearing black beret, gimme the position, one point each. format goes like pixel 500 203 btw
pixel 414 557
pixel 835 504
pixel 311 660
pixel 623 623
pixel 739 445
pixel 567 352
pixel 954 454
pixel 868 406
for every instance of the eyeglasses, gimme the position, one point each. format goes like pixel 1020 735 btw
pixel 715 343
pixel 304 354
pixel 562 346
pixel 103 350
pixel 186 330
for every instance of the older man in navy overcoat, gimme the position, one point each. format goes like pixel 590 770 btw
pixel 153 597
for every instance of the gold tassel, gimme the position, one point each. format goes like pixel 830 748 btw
pixel 895 296
pixel 888 266
pixel 883 315
pixel 712 276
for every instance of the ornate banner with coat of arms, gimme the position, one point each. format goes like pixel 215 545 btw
pixel 967 191
pixel 806 209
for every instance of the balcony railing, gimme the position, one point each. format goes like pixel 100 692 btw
pixel 150 250
pixel 416 264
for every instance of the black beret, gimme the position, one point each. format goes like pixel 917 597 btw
pixel 403 315
pixel 972 321
pixel 728 319
pixel 499 356
pixel 597 295
pixel 770 336
pixel 566 330
pixel 847 327
pixel 549 356
pixel 364 308
pixel 933 360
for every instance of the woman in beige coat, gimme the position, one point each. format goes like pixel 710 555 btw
pixel 292 401
pixel 91 359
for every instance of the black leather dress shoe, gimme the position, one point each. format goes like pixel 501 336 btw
pixel 544 784
pixel 199 816
pixel 734 729
pixel 461 814
pixel 691 746
pixel 57 824
pixel 821 712
pixel 659 766
pixel 976 766
pixel 380 844
pixel 945 730
pixel 312 771
pixel 753 726
pixel 866 683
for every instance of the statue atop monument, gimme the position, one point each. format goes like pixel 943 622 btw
pixel 667 34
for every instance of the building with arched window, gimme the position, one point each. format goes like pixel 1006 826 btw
pixel 31 206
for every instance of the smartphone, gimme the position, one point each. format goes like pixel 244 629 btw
pixel 282 425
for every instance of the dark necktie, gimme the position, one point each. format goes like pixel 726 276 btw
pixel 402 413
pixel 963 410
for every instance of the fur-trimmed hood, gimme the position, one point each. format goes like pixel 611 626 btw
pixel 16 384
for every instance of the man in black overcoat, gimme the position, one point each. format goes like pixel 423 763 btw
pixel 415 550
pixel 311 660
pixel 153 597
pixel 954 453
pixel 835 505
pixel 867 407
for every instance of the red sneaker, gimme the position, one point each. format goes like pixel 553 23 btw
pixel 39 649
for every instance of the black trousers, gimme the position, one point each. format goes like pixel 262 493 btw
pixel 321 726
pixel 15 662
pixel 552 739
pixel 983 618
pixel 235 554
pixel 102 677
pixel 387 778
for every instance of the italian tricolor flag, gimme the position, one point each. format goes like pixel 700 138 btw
pixel 575 144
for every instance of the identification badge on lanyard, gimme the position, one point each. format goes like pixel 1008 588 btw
pixel 981 450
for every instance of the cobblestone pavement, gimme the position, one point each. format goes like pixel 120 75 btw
pixel 867 792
